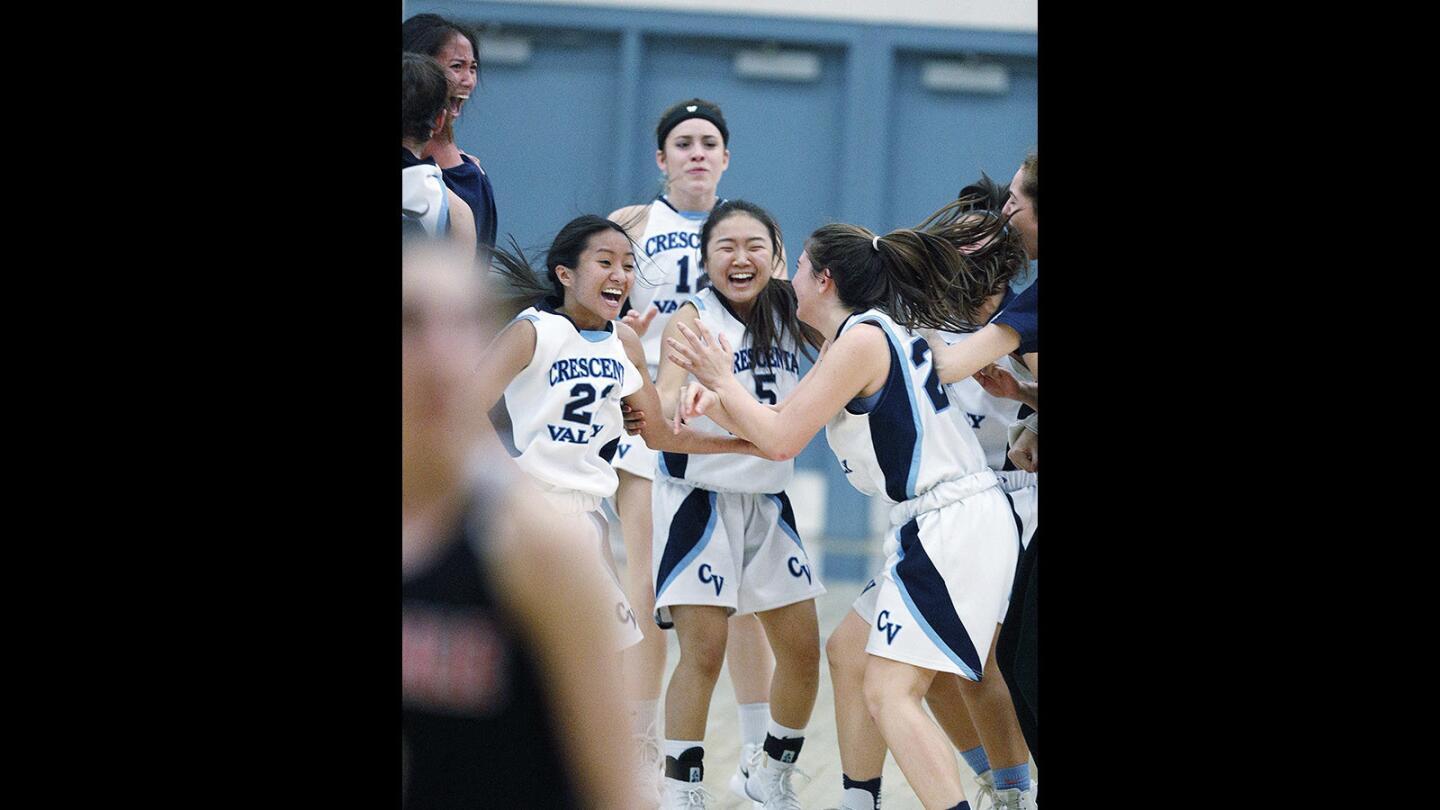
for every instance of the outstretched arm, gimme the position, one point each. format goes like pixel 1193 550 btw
pixel 857 363
pixel 955 362
pixel 657 434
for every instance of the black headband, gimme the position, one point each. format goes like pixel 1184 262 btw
pixel 694 108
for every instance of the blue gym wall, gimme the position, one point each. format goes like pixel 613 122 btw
pixel 572 131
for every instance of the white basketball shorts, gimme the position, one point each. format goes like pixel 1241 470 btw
pixel 945 585
pixel 734 550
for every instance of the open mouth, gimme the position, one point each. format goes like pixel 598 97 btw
pixel 612 295
pixel 456 102
pixel 741 280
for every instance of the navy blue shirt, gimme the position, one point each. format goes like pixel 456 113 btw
pixel 1021 313
pixel 471 185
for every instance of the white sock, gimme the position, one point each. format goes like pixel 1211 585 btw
pixel 674 748
pixel 780 732
pixel 754 718
pixel 857 799
pixel 643 717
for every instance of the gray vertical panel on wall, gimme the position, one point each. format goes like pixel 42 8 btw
pixel 628 128
pixel 866 130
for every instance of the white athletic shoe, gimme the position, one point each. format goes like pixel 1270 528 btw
pixel 1015 799
pixel 1012 799
pixel 648 775
pixel 769 784
pixel 684 795
pixel 750 755
pixel 986 783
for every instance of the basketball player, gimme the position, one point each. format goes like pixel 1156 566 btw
pixel 564 365
pixel 954 542
pixel 493 667
pixel 725 541
pixel 862 748
pixel 692 151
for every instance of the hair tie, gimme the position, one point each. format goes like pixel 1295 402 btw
pixel 875 243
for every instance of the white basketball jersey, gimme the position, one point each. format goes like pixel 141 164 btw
pixel 771 376
pixel 988 415
pixel 669 256
pixel 424 198
pixel 565 405
pixel 910 435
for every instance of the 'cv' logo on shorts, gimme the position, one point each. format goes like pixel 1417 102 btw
pixel 882 622
pixel 706 575
pixel 845 465
pixel 625 614
pixel 796 569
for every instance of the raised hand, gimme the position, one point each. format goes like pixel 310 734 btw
pixel 640 321
pixel 710 360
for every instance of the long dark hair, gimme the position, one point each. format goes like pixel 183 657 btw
pixel 520 285
pixel 772 314
pixel 428 33
pixel 918 276
pixel 994 252
pixel 983 194
pixel 424 90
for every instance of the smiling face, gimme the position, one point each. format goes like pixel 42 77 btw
pixel 694 157
pixel 596 289
pixel 458 59
pixel 739 257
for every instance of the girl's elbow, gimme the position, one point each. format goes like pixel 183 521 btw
pixel 781 451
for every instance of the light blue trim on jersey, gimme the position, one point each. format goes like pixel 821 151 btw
pixel 443 221
pixel 660 459
pixel 594 335
pixel 694 552
pixel 903 357
pixel 693 216
pixel 526 316
pixel 695 299
pixel 920 618
pixel 780 519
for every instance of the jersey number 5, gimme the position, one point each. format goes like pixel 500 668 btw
pixel 761 392
pixel 919 350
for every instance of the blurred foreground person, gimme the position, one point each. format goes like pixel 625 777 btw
pixel 511 697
